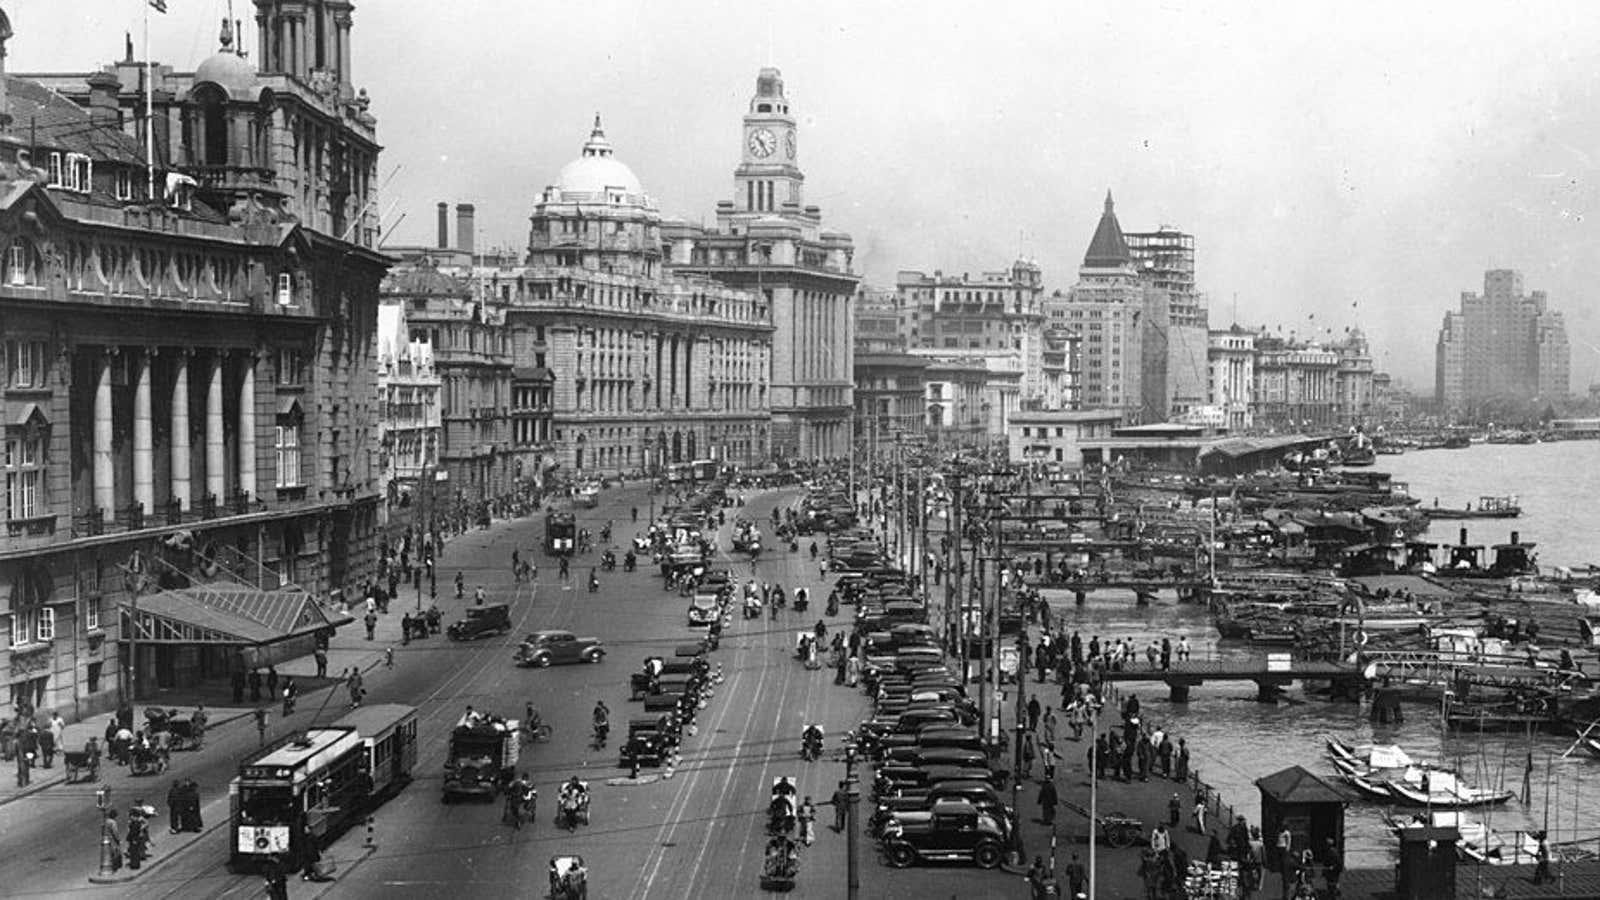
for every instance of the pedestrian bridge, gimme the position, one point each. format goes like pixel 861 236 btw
pixel 1270 674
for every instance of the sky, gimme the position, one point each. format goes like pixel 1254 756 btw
pixel 1352 164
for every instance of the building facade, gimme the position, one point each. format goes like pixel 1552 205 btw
pixel 409 422
pixel 1231 384
pixel 769 242
pixel 1055 438
pixel 1143 324
pixel 1296 385
pixel 587 356
pixel 997 313
pixel 189 374
pixel 1502 345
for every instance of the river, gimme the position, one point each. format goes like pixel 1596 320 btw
pixel 1235 740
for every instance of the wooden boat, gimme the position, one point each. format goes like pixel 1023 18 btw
pixel 1369 756
pixel 1478 842
pixel 1442 790
pixel 1488 508
pixel 1371 790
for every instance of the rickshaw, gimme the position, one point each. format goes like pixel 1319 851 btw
pixel 185 735
pixel 569 878
pixel 781 865
pixel 83 765
pixel 146 760
pixel 572 807
pixel 644 682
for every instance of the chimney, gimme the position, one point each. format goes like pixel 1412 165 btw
pixel 444 225
pixel 5 102
pixel 103 108
pixel 464 229
pixel 1514 538
pixel 1463 537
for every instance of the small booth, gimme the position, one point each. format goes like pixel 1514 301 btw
pixel 1309 807
pixel 1427 866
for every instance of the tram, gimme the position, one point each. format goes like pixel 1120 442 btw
pixel 306 789
pixel 560 533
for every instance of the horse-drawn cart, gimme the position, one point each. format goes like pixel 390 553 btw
pixel 1114 828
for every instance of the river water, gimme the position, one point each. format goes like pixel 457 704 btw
pixel 1235 740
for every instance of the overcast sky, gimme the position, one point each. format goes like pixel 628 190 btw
pixel 1359 162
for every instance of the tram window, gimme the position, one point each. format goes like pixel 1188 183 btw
pixel 266 807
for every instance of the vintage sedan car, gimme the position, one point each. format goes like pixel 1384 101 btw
pixel 704 608
pixel 949 831
pixel 553 648
pixel 481 621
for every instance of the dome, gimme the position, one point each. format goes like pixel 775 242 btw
pixel 597 171
pixel 231 72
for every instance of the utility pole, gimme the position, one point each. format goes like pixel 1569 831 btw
pixel 852 829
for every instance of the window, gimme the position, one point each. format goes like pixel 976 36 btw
pixel 24 364
pixel 93 677
pixel 285 289
pixel 78 174
pixel 55 170
pixel 287 446
pixel 47 624
pixel 124 185
pixel 24 476
pixel 20 270
pixel 21 626
pixel 291 367
pixel 91 614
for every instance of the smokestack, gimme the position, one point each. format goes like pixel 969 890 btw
pixel 444 225
pixel 1514 536
pixel 464 227
pixel 103 90
pixel 1463 537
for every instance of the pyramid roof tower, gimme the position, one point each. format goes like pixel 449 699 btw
pixel 1107 249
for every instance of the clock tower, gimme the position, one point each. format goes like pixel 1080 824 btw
pixel 768 176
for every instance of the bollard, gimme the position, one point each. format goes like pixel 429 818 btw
pixel 370 843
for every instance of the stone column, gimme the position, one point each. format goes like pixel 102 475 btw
pixel 105 491
pixel 144 479
pixel 247 429
pixel 216 455
pixel 181 466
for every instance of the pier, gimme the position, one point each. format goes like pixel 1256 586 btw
pixel 1271 674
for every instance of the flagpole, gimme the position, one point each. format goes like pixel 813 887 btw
pixel 149 112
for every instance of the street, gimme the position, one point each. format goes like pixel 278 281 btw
pixel 698 834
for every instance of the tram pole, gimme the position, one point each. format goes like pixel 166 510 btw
pixel 852 789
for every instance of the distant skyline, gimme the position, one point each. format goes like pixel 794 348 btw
pixel 1323 154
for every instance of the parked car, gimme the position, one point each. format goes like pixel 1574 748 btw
pixel 481 621
pixel 949 831
pixel 553 648
pixel 704 608
pixel 980 794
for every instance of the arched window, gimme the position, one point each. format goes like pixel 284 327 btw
pixel 211 119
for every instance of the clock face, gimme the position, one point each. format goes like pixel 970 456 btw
pixel 762 143
pixel 788 143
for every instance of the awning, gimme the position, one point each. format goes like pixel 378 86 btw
pixel 228 614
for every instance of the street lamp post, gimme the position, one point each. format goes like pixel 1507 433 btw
pixel 852 789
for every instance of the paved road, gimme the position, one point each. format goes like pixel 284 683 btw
pixel 699 834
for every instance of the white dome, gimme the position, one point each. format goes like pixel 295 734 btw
pixel 596 175
pixel 230 72
pixel 597 171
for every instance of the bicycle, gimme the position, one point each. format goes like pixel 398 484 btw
pixel 537 734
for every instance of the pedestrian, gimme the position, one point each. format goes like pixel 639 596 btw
pixel 1049 735
pixel 1183 648
pixel 290 692
pixel 111 838
pixel 841 805
pixel 807 817
pixel 277 879
pixel 272 681
pixel 138 835
pixel 1160 839
pixel 255 685
pixel 47 747
pixel 1033 713
pixel 1028 753
pixel 1047 801
pixel 1182 773
pixel 191 808
pixel 58 733
pixel 1166 654
pixel 388 657
pixel 405 630
pixel 1200 811
pixel 1077 876
pixel 1333 866
pixel 371 621
pixel 1284 851
pixel 176 799
pixel 27 753
pixel 1174 811
pixel 1541 868
pixel 198 723
pixel 321 656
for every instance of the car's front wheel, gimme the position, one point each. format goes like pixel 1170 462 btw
pixel 901 856
pixel 542 661
pixel 593 656
pixel 987 855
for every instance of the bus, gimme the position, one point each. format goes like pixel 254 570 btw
pixel 560 533
pixel 305 790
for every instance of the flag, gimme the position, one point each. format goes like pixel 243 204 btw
pixel 159 6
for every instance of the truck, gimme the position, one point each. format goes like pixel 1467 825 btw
pixel 482 758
